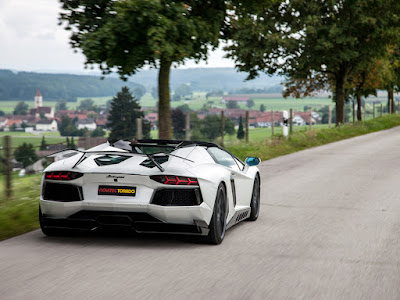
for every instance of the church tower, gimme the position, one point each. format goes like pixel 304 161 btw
pixel 38 99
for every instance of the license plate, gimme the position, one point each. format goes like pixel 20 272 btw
pixel 117 190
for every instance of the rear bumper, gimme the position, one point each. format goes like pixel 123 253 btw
pixel 87 220
pixel 93 215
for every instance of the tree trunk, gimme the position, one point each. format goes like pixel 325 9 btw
pixel 339 91
pixel 164 109
pixel 391 100
pixel 359 113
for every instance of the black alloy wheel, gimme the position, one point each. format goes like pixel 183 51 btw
pixel 218 220
pixel 255 200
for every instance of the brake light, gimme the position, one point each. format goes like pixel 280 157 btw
pixel 63 175
pixel 175 180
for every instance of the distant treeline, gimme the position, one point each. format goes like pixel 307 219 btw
pixel 23 86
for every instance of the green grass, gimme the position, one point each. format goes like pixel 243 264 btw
pixel 20 214
pixel 300 140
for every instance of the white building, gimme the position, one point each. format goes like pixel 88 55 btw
pixel 38 99
pixel 46 125
pixel 88 123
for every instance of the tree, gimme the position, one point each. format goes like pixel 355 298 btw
pixel 232 104
pixel 61 105
pixel 87 104
pixel 182 91
pixel 211 127
pixel 124 111
pixel 67 127
pixel 126 35
pixel 21 108
pixel 178 123
pixel 2 113
pixel 262 107
pixel 98 132
pixel 43 144
pixel 324 42
pixel 240 133
pixel 250 103
pixel 25 154
pixel 139 92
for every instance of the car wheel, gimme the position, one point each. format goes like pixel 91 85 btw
pixel 255 200
pixel 218 220
pixel 50 231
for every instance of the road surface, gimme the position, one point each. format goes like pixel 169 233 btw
pixel 329 228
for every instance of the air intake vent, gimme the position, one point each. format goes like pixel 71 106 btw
pixel 177 197
pixel 62 192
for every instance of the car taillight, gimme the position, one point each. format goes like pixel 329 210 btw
pixel 62 175
pixel 175 180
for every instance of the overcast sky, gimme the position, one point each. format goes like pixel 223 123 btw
pixel 31 40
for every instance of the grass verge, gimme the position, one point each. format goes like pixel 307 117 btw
pixel 278 145
pixel 20 214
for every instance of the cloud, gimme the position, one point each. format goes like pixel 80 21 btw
pixel 31 39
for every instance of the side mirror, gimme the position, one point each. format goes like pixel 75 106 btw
pixel 252 161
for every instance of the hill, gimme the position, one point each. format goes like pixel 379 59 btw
pixel 23 85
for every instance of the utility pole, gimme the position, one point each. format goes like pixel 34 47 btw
pixel 291 121
pixel 187 126
pixel 7 166
pixel 247 126
pixel 222 128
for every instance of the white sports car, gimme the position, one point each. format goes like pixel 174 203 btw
pixel 157 186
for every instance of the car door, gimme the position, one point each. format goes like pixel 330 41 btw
pixel 241 183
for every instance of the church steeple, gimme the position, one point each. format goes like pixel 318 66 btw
pixel 38 99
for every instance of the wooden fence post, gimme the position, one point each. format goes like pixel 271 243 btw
pixel 364 110
pixel 381 109
pixel 187 126
pixel 310 117
pixel 7 166
pixel 222 128
pixel 330 116
pixel 139 128
pixel 272 123
pixel 373 110
pixel 354 111
pixel 291 121
pixel 247 126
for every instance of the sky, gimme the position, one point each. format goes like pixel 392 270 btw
pixel 32 40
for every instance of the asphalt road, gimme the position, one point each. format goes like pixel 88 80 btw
pixel 329 228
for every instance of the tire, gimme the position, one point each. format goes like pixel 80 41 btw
pixel 218 220
pixel 255 200
pixel 50 231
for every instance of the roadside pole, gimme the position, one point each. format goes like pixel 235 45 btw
pixel 354 112
pixel 373 110
pixel 291 121
pixel 272 123
pixel 139 129
pixel 330 116
pixel 187 126
pixel 222 128
pixel 364 110
pixel 7 166
pixel 310 118
pixel 381 109
pixel 247 126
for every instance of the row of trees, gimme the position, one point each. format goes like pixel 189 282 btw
pixel 318 45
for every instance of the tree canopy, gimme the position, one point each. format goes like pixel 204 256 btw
pixel 124 111
pixel 313 43
pixel 127 35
